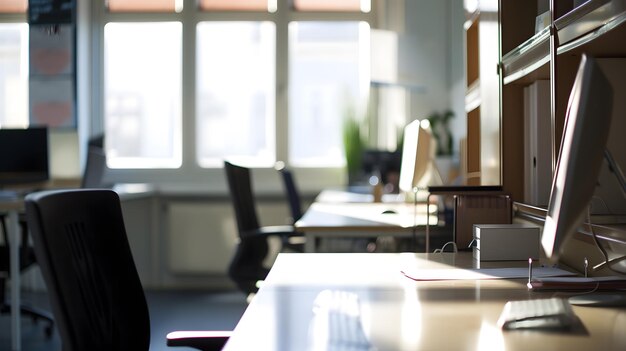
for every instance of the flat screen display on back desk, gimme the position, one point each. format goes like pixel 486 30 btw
pixel 23 156
pixel 416 155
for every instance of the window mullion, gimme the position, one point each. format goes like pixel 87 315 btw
pixel 282 79
pixel 189 76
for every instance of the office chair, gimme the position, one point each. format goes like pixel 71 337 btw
pixel 92 178
pixel 293 195
pixel 94 169
pixel 95 164
pixel 246 267
pixel 96 296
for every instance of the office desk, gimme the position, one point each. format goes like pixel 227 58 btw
pixel 400 314
pixel 12 206
pixel 337 214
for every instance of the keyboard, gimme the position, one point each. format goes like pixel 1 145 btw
pixel 337 322
pixel 546 313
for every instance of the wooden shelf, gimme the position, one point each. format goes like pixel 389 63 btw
pixel 612 231
pixel 529 61
pixel 601 41
pixel 586 18
pixel 472 59
pixel 595 28
pixel 472 96
pixel 529 212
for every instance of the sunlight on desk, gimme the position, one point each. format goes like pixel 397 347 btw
pixel 401 314
pixel 490 337
pixel 367 214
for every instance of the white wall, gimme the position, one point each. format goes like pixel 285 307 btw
pixel 64 162
pixel 456 79
pixel 431 54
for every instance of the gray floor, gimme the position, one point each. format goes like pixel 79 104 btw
pixel 169 311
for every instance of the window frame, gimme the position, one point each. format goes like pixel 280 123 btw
pixel 14 18
pixel 191 173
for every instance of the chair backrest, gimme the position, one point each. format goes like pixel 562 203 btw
pixel 246 267
pixel 242 196
pixel 95 165
pixel 94 169
pixel 293 195
pixel 95 292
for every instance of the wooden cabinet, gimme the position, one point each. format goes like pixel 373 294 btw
pixel 529 54
pixel 594 27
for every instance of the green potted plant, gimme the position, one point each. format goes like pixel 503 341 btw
pixel 353 143
pixel 439 124
pixel 444 161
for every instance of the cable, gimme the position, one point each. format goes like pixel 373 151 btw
pixel 443 248
pixel 570 294
pixel 607 262
pixel 414 231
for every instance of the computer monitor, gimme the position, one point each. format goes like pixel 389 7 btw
pixel 381 162
pixel 23 156
pixel 585 135
pixel 417 155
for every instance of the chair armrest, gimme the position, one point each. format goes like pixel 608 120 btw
pixel 282 230
pixel 201 340
pixel 285 232
pixel 277 230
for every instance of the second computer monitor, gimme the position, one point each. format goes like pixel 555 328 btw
pixel 23 156
pixel 585 134
pixel 417 153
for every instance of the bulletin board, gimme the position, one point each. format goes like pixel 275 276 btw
pixel 52 60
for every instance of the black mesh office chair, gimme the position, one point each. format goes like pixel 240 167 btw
pixel 246 267
pixel 95 164
pixel 95 292
pixel 293 195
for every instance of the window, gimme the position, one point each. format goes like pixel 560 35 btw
pixel 239 5
pixel 332 5
pixel 145 5
pixel 143 94
pixel 236 93
pixel 13 64
pixel 253 81
pixel 326 75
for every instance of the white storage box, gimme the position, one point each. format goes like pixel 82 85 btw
pixel 506 242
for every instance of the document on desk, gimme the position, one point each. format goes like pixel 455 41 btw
pixel 481 274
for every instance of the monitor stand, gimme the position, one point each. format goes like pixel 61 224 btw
pixel 599 299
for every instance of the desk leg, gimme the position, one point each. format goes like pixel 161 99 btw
pixel 309 244
pixel 14 234
pixel 428 224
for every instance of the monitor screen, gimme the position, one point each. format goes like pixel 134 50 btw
pixel 381 161
pixel 417 153
pixel 585 134
pixel 23 156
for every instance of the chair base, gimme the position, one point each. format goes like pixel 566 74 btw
pixel 34 313
pixel 26 310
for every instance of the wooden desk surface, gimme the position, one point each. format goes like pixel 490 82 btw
pixel 322 216
pixel 344 196
pixel 401 314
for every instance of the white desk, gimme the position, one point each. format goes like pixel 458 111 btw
pixel 336 214
pixel 401 314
